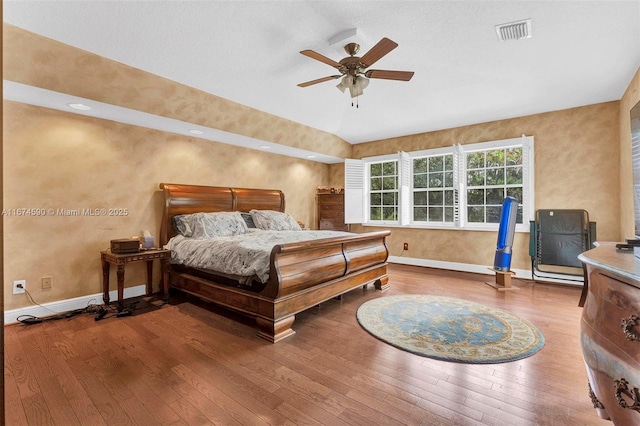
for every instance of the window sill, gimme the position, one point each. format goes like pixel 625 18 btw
pixel 524 229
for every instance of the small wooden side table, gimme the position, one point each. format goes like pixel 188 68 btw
pixel 120 261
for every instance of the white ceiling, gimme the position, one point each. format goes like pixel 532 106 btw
pixel 248 51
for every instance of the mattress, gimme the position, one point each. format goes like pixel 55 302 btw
pixel 245 257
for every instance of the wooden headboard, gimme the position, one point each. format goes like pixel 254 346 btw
pixel 187 199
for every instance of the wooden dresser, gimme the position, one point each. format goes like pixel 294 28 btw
pixel 610 333
pixel 330 212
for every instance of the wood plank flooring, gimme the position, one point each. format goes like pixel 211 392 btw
pixel 191 364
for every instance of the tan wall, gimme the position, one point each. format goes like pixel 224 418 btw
pixel 576 160
pixel 41 62
pixel 57 160
pixel 629 100
pixel 336 175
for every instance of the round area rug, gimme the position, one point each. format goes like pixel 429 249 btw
pixel 450 329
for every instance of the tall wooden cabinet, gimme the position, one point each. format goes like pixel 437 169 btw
pixel 330 212
pixel 610 333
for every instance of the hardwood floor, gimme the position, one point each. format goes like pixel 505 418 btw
pixel 192 365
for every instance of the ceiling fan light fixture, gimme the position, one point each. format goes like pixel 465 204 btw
pixel 358 86
pixel 345 83
pixel 342 86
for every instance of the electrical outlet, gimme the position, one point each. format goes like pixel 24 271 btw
pixel 406 246
pixel 19 286
pixel 46 282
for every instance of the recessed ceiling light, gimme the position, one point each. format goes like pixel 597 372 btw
pixel 265 147
pixel 311 156
pixel 82 107
pixel 196 132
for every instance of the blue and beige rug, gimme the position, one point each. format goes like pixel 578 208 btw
pixel 450 329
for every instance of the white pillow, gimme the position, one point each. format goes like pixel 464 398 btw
pixel 271 220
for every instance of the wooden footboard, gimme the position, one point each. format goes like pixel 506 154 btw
pixel 305 274
pixel 301 275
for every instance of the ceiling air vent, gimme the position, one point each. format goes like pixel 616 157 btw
pixel 514 30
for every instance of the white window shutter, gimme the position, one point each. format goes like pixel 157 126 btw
pixel 354 185
pixel 404 174
pixel 459 176
pixel 527 184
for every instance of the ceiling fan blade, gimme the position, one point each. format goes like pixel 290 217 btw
pixel 383 47
pixel 321 58
pixel 319 80
pixel 390 75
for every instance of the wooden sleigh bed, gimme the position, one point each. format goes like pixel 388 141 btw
pixel 301 275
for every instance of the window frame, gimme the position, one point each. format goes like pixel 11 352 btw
pixel 367 189
pixel 406 186
pixel 433 153
pixel 527 202
pixel 383 191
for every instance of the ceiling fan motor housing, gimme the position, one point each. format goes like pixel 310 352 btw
pixel 351 65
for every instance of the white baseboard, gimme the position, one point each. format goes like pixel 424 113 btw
pixel 481 269
pixel 60 306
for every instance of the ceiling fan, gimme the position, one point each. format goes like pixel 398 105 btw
pixel 353 69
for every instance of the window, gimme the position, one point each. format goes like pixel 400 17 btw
pixel 383 191
pixel 458 187
pixel 492 175
pixel 433 190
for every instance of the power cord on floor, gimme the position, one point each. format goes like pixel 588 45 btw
pixel 31 319
pixel 125 312
pixel 100 311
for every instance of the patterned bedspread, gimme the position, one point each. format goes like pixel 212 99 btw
pixel 245 255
